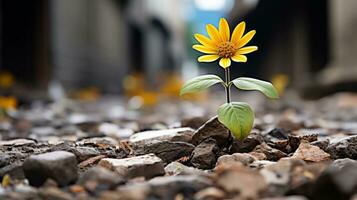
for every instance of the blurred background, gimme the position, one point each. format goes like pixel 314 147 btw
pixel 86 48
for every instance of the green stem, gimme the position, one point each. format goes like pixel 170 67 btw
pixel 228 95
pixel 228 79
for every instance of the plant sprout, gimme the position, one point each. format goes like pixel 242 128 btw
pixel 238 117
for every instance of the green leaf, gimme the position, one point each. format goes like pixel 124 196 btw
pixel 200 83
pixel 238 117
pixel 254 84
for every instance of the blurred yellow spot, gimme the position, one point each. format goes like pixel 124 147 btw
pixel 87 94
pixel 280 81
pixel 6 79
pixel 6 181
pixel 133 84
pixel 8 103
pixel 172 85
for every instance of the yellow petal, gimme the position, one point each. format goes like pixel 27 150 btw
pixel 239 58
pixel 238 32
pixel 246 38
pixel 208 58
pixel 225 62
pixel 204 49
pixel 224 29
pixel 246 50
pixel 205 41
pixel 213 33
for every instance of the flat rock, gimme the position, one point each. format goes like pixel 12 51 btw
pixel 17 142
pixel 61 166
pixel 205 154
pixel 177 134
pixel 147 166
pixel 308 152
pixel 243 158
pixel 166 150
pixel 212 129
pixel 343 148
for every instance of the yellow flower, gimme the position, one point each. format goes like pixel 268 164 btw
pixel 221 44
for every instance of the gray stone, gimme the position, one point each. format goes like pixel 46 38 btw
pixel 343 148
pixel 205 154
pixel 14 170
pixel 338 181
pixel 166 150
pixel 168 187
pixel 61 166
pixel 176 168
pixel 147 166
pixel 102 176
pixel 177 134
pixel 212 129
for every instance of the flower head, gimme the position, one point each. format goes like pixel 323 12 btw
pixel 221 44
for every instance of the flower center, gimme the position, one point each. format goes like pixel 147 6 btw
pixel 226 50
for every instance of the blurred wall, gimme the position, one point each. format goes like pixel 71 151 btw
pixel 87 43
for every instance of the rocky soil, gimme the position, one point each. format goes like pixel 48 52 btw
pixel 178 150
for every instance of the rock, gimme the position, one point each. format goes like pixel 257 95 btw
pixel 14 170
pixel 210 193
pixel 53 193
pixel 344 148
pixel 308 152
pixel 322 144
pixel 166 150
pixel 193 122
pixel 176 168
pixel 294 141
pixel 242 158
pixel 271 153
pixel 338 181
pixel 243 181
pixel 246 145
pixel 147 166
pixel 84 153
pixel 277 134
pixel 259 164
pixel 293 197
pixel 177 134
pixel 17 142
pixel 212 129
pixel 98 141
pixel 279 173
pixel 60 166
pixel 137 191
pixel 205 154
pixel 168 187
pixel 104 178
pixel 4 159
